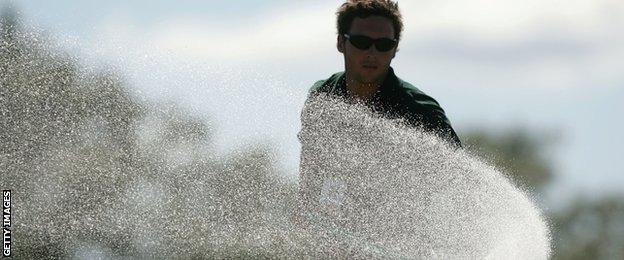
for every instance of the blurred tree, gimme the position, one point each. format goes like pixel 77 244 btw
pixel 519 152
pixel 590 229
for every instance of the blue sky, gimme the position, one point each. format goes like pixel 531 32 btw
pixel 547 65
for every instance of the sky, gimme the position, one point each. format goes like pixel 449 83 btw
pixel 549 65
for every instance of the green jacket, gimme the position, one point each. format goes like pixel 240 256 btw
pixel 398 99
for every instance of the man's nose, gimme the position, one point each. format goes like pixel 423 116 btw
pixel 372 49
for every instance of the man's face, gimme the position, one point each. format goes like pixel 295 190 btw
pixel 367 66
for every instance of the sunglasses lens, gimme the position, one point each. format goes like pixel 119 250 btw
pixel 384 44
pixel 364 43
pixel 361 42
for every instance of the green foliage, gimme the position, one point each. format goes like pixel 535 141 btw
pixel 590 229
pixel 522 154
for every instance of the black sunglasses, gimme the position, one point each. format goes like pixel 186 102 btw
pixel 364 42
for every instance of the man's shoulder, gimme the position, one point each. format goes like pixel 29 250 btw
pixel 326 85
pixel 411 93
pixel 432 115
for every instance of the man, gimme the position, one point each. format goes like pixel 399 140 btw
pixel 368 35
pixel 369 32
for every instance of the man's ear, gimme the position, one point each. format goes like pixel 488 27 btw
pixel 340 44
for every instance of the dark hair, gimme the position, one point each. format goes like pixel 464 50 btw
pixel 365 8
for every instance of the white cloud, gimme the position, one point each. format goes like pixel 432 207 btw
pixel 539 44
pixel 278 35
pixel 504 18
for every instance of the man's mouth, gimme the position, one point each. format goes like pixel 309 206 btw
pixel 370 67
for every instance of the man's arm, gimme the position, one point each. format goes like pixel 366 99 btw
pixel 426 111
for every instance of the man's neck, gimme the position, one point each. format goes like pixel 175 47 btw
pixel 362 91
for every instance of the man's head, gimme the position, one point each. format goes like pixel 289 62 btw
pixel 377 20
